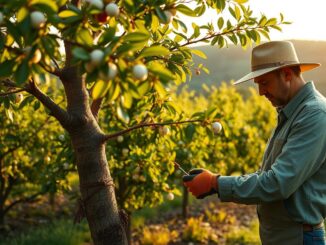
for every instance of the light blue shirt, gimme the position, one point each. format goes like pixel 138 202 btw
pixel 294 163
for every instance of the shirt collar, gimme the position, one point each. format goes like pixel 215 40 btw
pixel 289 109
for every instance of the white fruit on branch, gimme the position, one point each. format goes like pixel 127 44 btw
pixel 164 130
pixel 19 98
pixel 125 151
pixel 97 56
pixel 120 138
pixel 217 127
pixel 37 19
pixel 170 196
pixel 112 10
pixel 140 72
pixel 97 4
pixel 112 72
pixel 169 17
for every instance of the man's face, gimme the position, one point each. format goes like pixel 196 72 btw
pixel 274 87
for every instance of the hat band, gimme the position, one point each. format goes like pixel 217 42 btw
pixel 270 65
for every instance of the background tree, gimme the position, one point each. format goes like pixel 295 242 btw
pixel 35 157
pixel 109 52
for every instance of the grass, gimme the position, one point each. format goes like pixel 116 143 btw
pixel 59 232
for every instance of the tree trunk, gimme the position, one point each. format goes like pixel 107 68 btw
pixel 185 198
pixel 98 199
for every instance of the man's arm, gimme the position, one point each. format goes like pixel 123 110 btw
pixel 301 156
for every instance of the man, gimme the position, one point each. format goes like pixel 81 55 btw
pixel 290 187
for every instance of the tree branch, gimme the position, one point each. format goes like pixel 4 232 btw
pixel 208 37
pixel 30 198
pixel 54 71
pixel 96 106
pixel 9 83
pixel 12 92
pixel 60 114
pixel 143 125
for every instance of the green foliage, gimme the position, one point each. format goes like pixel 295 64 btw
pixel 34 155
pixel 244 235
pixel 157 236
pixel 155 36
pixel 246 127
pixel 142 161
pixel 152 36
pixel 59 232
pixel 195 230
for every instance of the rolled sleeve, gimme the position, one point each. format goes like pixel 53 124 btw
pixel 225 184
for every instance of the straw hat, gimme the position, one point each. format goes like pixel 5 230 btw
pixel 274 55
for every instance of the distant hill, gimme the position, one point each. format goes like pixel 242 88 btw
pixel 232 63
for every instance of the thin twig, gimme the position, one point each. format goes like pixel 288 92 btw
pixel 12 92
pixel 114 135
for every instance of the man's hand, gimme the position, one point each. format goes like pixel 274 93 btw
pixel 201 182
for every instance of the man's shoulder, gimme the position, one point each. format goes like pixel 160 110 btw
pixel 316 102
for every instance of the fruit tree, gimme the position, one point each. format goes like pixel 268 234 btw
pixel 104 51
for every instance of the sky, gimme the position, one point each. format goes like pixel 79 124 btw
pixel 308 17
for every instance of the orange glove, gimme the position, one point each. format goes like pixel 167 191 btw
pixel 201 182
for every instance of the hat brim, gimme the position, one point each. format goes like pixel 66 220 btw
pixel 303 67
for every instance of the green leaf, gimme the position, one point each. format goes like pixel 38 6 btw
pixel 13 31
pixel 220 4
pixel 160 70
pixel 272 21
pixel 126 100
pixel 22 14
pixel 154 51
pixel 175 24
pixel 122 114
pixel 107 36
pixel 80 53
pixel 237 13
pixel 84 36
pixel 186 10
pixel 277 28
pixel 67 14
pixel 155 23
pixel 37 105
pixel 199 53
pixel 143 88
pixel 26 101
pixel 137 37
pixel 200 10
pixel 22 72
pixel 114 92
pixel 161 14
pixel 6 68
pixel 183 25
pixel 100 88
pixel 265 34
pixel 232 12
pixel 160 89
pixel 220 22
pixel 189 132
pixel 46 5
pixel 10 115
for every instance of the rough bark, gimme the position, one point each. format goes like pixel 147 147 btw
pixel 98 198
